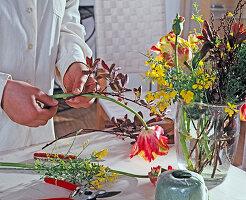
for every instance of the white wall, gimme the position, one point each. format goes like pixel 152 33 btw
pixel 172 8
pixel 86 2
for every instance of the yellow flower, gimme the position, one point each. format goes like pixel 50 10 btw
pixel 147 73
pixel 103 153
pixel 153 109
pixel 230 14
pixel 232 106
pixel 149 97
pixel 188 96
pixel 228 46
pixel 195 86
pixel 67 143
pixel 231 109
pixel 182 93
pixel 207 85
pixel 201 63
pixel 173 94
pixel 201 70
pixel 94 182
pixel 200 87
pixel 162 107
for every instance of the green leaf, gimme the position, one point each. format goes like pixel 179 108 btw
pixel 218 41
pixel 196 60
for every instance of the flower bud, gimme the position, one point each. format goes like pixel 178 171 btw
pixel 178 24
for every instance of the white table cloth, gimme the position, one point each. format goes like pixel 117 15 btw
pixel 19 185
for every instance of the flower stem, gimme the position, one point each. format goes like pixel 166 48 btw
pixel 21 165
pixel 24 166
pixel 175 54
pixel 129 174
pixel 59 96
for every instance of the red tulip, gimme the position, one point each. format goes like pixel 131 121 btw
pixel 150 144
pixel 243 113
pixel 156 171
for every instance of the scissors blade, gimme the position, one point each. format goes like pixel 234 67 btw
pixel 108 194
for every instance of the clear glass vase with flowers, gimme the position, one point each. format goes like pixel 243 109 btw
pixel 205 74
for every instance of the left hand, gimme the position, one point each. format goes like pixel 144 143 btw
pixel 76 81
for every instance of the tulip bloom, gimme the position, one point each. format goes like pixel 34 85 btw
pixel 243 113
pixel 166 46
pixel 150 144
pixel 156 171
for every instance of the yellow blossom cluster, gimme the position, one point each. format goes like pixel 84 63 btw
pixel 198 18
pixel 104 175
pixel 187 95
pixel 204 80
pixel 157 72
pixel 101 173
pixel 101 153
pixel 163 98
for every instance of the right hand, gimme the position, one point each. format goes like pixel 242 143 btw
pixel 21 102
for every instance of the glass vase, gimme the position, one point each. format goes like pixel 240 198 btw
pixel 206 139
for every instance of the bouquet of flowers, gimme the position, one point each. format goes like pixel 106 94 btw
pixel 206 74
pixel 207 67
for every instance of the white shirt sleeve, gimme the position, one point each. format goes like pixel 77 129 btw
pixel 72 46
pixel 3 79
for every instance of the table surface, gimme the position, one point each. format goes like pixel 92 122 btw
pixel 26 185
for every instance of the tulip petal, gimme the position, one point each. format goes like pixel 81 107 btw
pixel 150 144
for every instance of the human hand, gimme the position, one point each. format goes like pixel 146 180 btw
pixel 76 81
pixel 21 102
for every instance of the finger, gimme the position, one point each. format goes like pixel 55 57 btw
pixel 37 123
pixel 79 83
pixel 79 104
pixel 90 85
pixel 80 99
pixel 45 99
pixel 46 114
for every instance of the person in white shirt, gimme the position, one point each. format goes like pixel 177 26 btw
pixel 38 39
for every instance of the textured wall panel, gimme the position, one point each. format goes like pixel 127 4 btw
pixel 126 27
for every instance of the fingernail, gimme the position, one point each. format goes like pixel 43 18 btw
pixel 54 101
pixel 74 100
pixel 77 90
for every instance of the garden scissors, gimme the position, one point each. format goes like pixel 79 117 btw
pixel 45 156
pixel 79 192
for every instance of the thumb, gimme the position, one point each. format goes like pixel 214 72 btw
pixel 79 84
pixel 45 99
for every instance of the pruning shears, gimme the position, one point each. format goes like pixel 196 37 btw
pixel 79 192
pixel 45 156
